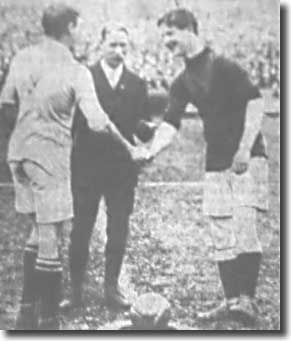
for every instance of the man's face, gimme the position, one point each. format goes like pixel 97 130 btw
pixel 76 32
pixel 115 47
pixel 176 40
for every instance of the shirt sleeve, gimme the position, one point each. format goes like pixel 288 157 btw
pixel 178 99
pixel 144 109
pixel 241 87
pixel 9 92
pixel 88 102
pixel 143 130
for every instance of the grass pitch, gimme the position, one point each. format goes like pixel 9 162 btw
pixel 169 247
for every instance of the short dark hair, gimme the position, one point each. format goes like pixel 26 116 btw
pixel 56 19
pixel 112 27
pixel 180 18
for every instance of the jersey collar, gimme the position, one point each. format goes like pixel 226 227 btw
pixel 56 49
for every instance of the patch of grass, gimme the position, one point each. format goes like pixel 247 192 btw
pixel 169 247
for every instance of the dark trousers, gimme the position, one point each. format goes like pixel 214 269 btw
pixel 91 179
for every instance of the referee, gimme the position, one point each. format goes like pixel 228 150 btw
pixel 101 166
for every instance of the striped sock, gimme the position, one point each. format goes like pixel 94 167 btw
pixel 29 281
pixel 49 275
pixel 48 265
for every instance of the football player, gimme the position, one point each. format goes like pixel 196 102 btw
pixel 235 186
pixel 47 84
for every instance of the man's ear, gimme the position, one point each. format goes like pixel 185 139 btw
pixel 189 29
pixel 71 27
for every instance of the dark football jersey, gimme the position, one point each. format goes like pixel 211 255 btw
pixel 220 89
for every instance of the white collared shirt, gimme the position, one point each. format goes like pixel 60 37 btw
pixel 113 75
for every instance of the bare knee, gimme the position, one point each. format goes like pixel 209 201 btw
pixel 245 224
pixel 223 238
pixel 49 240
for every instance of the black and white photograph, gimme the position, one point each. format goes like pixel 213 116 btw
pixel 140 165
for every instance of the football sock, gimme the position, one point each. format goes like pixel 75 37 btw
pixel 249 265
pixel 228 271
pixel 29 280
pixel 49 276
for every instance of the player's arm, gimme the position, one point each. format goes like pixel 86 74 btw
pixel 145 128
pixel 163 137
pixel 252 127
pixel 8 113
pixel 247 93
pixel 253 124
pixel 9 98
pixel 168 129
pixel 97 119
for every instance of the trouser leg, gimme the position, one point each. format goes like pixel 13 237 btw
pixel 117 231
pixel 86 205
pixel 119 208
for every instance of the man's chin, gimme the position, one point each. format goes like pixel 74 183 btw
pixel 114 63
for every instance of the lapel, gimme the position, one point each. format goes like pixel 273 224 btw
pixel 124 83
pixel 101 80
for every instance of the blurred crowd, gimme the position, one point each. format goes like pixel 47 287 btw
pixel 253 42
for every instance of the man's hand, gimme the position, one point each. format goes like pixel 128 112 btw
pixel 240 161
pixel 140 155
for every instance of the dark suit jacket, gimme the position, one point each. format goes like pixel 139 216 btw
pixel 126 105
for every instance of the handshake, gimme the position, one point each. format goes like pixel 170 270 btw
pixel 141 155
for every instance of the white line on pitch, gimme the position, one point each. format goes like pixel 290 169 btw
pixel 146 184
pixel 188 184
